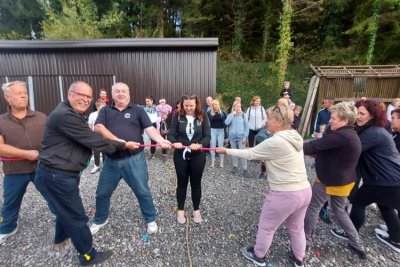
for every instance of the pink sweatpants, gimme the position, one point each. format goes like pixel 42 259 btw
pixel 283 206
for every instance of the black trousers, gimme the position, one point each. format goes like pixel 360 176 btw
pixel 387 200
pixel 62 195
pixel 189 170
pixel 252 135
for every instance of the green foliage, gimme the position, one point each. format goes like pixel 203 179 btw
pixel 334 32
pixel 78 20
pixel 249 79
pixel 285 43
pixel 20 19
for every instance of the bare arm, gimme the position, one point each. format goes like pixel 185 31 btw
pixel 11 151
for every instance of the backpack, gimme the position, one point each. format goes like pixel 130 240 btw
pixel 262 135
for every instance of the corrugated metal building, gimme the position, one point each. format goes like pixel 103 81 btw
pixel 158 67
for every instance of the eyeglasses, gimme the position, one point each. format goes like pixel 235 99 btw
pixel 83 95
pixel 276 109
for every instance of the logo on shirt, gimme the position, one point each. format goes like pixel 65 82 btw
pixel 127 115
pixel 198 123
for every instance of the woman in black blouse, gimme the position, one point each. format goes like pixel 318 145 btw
pixel 189 132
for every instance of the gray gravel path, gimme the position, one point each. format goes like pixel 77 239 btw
pixel 230 208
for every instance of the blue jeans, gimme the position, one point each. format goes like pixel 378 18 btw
pixel 14 188
pixel 238 145
pixel 217 136
pixel 62 195
pixel 133 170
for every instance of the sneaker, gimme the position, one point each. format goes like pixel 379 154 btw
pixel 295 261
pixel 94 228
pixel 262 175
pixel 164 158
pixel 197 216
pixel 221 164
pixel 95 169
pixel 94 258
pixel 3 237
pixel 234 170
pixel 212 165
pixel 324 216
pixel 361 253
pixel 151 157
pixel 340 233
pixel 181 218
pixel 152 228
pixel 387 241
pixel 248 253
pixel 246 174
pixel 381 232
pixel 383 227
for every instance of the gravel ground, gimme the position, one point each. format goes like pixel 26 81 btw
pixel 230 208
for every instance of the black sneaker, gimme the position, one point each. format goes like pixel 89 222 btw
pixel 340 233
pixel 295 261
pixel 234 170
pixel 248 253
pixel 390 243
pixel 324 216
pixel 262 175
pixel 246 174
pixel 94 257
pixel 360 253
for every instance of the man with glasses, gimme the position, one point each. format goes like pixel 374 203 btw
pixel 127 121
pixel 66 149
pixel 21 131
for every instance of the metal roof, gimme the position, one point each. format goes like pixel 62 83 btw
pixel 107 43
pixel 357 71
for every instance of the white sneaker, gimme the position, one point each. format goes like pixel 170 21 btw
pixel 94 228
pixel 3 237
pixel 383 227
pixel 95 169
pixel 381 232
pixel 152 228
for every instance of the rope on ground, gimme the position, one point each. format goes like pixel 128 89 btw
pixel 188 243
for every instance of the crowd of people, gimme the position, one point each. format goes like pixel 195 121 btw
pixel 355 145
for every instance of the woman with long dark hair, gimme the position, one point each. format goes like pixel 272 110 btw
pixel 189 132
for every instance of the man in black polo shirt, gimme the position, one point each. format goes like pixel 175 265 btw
pixel 124 120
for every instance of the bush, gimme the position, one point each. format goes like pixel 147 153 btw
pixel 249 79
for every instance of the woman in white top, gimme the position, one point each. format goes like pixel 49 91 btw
pixel 257 118
pixel 290 191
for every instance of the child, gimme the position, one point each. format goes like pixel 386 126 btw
pixel 319 135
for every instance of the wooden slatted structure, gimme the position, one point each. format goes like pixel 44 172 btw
pixel 349 83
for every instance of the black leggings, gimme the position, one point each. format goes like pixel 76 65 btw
pixel 186 170
pixel 252 135
pixel 381 195
pixel 153 148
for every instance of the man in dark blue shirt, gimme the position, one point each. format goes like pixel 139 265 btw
pixel 324 115
pixel 126 121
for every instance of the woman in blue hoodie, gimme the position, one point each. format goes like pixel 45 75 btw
pixel 238 132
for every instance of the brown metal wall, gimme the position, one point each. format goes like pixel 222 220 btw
pixel 159 72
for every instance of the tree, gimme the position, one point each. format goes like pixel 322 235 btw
pixel 77 20
pixel 20 19
pixel 285 42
